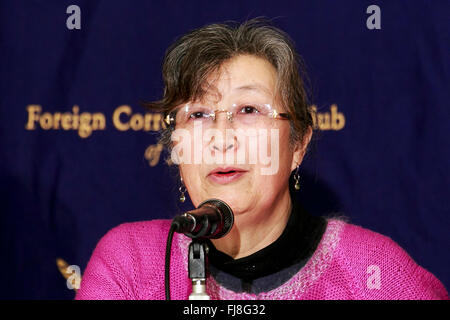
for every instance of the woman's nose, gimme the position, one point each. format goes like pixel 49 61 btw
pixel 222 145
pixel 226 115
pixel 224 139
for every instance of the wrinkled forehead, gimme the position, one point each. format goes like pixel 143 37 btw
pixel 244 76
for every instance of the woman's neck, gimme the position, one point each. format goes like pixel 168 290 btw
pixel 256 229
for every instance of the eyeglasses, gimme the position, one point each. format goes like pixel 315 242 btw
pixel 242 115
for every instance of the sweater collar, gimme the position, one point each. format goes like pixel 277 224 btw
pixel 295 245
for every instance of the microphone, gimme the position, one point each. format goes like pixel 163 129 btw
pixel 212 219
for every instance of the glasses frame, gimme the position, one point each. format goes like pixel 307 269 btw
pixel 169 118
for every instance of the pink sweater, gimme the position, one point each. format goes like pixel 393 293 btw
pixel 350 263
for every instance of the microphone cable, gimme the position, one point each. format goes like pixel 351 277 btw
pixel 215 219
pixel 172 229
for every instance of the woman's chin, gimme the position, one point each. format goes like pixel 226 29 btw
pixel 238 203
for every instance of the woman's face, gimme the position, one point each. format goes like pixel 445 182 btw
pixel 245 184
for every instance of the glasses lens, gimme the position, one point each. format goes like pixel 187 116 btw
pixel 242 114
pixel 189 113
pixel 253 113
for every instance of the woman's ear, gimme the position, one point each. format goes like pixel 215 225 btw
pixel 300 149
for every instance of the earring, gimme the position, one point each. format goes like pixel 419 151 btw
pixel 297 179
pixel 182 190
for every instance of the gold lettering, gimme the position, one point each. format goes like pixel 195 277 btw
pixel 332 120
pixel 157 120
pixel 56 119
pixel 85 122
pixel 153 122
pixel 148 117
pixel 323 121
pixel 46 121
pixel 162 122
pixel 153 153
pixel 33 116
pixel 137 122
pixel 313 110
pixel 76 117
pixel 85 129
pixel 116 118
pixel 98 121
pixel 337 118
pixel 66 121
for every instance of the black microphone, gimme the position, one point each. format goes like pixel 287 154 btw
pixel 212 219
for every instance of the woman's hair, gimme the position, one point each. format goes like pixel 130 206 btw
pixel 193 57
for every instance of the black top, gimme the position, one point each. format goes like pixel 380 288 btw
pixel 274 264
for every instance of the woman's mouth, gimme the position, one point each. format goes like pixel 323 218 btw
pixel 226 175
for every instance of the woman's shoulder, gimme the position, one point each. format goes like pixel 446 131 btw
pixel 382 268
pixel 364 246
pixel 139 228
pixel 359 238
pixel 124 256
pixel 136 234
pixel 131 239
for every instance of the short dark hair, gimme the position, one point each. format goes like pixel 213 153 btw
pixel 193 57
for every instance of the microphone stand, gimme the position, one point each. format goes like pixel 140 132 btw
pixel 197 270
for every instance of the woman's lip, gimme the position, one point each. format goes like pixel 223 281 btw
pixel 226 170
pixel 224 178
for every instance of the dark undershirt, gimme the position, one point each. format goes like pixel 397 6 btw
pixel 274 264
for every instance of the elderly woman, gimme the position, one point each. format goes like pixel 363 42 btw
pixel 227 86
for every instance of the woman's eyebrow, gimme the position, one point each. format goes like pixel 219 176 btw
pixel 253 87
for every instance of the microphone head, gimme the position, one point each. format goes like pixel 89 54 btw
pixel 226 213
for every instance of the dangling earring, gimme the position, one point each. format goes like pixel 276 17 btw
pixel 297 179
pixel 182 190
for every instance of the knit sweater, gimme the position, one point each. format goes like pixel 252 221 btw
pixel 350 262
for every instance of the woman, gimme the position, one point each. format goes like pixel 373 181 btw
pixel 238 125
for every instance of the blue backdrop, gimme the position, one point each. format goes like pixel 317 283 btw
pixel 78 155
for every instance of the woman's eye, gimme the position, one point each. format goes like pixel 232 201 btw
pixel 249 109
pixel 196 115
